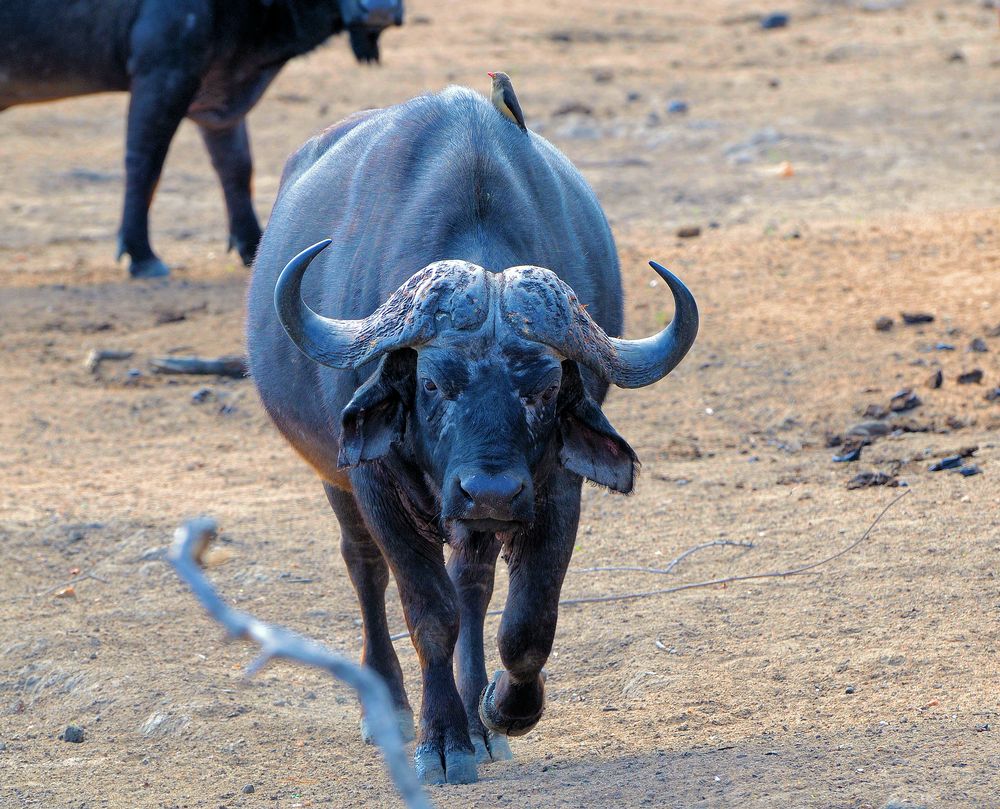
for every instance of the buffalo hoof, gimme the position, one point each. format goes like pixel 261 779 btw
pixel 148 268
pixel 490 746
pixel 404 716
pixel 450 766
pixel 247 248
pixel 497 720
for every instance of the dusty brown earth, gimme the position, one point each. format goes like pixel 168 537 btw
pixel 875 680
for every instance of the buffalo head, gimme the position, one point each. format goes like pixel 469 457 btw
pixel 479 381
pixel 365 20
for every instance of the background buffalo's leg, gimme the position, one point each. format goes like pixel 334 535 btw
pixel 513 702
pixel 229 148
pixel 370 576
pixel 159 102
pixel 444 751
pixel 472 568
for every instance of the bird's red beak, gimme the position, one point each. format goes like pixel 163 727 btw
pixel 492 75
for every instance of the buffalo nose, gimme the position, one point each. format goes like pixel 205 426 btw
pixel 491 495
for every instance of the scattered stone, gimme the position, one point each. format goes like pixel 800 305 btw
pixel 688 232
pixel 943 347
pixel 951 462
pixel 936 379
pixel 876 6
pixel 164 316
pixel 72 734
pixel 603 76
pixel 785 169
pixel 834 440
pixel 776 19
pixel 916 318
pixel 633 96
pixel 866 479
pixel 969 471
pixel 884 323
pixel 850 455
pixel 774 84
pixel 993 395
pixel 973 377
pixel 573 108
pixel 249 789
pixel 979 346
pixel 956 56
pixel 201 395
pixel 875 411
pixel 905 400
pixel 677 107
pixel 870 429
pixel 849 689
pixel 993 332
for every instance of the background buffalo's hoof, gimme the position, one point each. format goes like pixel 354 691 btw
pixel 407 730
pixel 497 721
pixel 247 248
pixel 148 268
pixel 454 767
pixel 490 746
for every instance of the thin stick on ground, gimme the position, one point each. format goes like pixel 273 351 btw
pixel 190 542
pixel 731 543
pixel 90 574
pixel 776 574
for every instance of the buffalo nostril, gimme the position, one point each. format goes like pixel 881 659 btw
pixel 495 491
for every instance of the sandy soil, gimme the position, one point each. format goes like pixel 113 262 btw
pixel 875 680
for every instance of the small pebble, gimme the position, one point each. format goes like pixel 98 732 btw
pixel 865 479
pixel 969 471
pixel 979 346
pixel 849 689
pixel 777 19
pixel 73 734
pixel 905 400
pixel 201 395
pixel 915 318
pixel 943 347
pixel 993 395
pixel 884 323
pixel 852 455
pixel 134 373
pixel 875 411
pixel 936 379
pixel 248 789
pixel 689 232
pixel 951 462
pixel 973 377
pixel 677 107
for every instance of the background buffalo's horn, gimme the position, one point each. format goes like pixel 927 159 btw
pixel 325 340
pixel 643 362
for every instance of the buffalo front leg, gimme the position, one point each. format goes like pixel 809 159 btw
pixel 444 752
pixel 229 148
pixel 370 576
pixel 472 568
pixel 514 700
pixel 159 102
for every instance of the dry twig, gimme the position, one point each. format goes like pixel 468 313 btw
pixel 234 366
pixel 82 577
pixel 191 540
pixel 672 563
pixel 776 574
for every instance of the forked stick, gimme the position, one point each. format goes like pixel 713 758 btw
pixel 190 543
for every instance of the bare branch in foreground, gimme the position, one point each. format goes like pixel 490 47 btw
pixel 190 542
pixel 776 574
pixel 672 563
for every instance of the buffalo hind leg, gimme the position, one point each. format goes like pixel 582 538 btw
pixel 444 751
pixel 160 99
pixel 370 577
pixel 514 700
pixel 472 568
pixel 229 148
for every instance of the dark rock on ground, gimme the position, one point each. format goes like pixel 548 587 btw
pixel 573 108
pixel 688 232
pixel 866 479
pixel 776 19
pixel 969 471
pixel 677 107
pixel 936 379
pixel 72 734
pixel 915 318
pixel 973 377
pixel 884 323
pixel 979 346
pixel 951 462
pixel 993 395
pixel 875 411
pixel 905 400
pixel 850 455
pixel 870 429
pixel 248 789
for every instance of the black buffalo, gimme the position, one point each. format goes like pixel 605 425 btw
pixel 209 60
pixel 444 399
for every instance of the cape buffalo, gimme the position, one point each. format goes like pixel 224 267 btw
pixel 449 393
pixel 210 60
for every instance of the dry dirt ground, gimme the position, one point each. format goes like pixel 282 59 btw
pixel 875 680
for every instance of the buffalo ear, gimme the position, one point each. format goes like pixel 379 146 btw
pixel 590 446
pixel 375 418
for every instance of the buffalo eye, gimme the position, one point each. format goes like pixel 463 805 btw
pixel 429 385
pixel 545 397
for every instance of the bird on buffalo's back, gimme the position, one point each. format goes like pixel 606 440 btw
pixel 505 99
